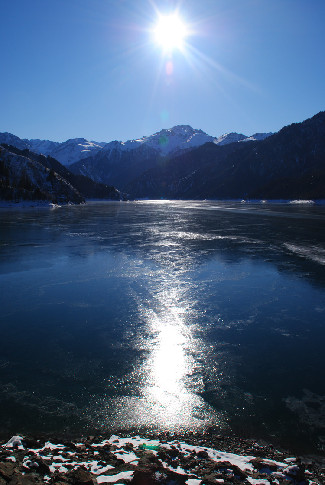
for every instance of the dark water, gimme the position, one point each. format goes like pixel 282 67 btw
pixel 164 315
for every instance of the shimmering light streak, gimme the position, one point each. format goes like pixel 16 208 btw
pixel 171 376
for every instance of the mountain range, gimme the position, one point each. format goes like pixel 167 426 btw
pixel 182 163
pixel 166 141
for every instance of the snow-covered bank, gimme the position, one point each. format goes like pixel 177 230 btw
pixel 32 203
pixel 138 461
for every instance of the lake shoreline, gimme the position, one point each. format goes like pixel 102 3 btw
pixel 196 459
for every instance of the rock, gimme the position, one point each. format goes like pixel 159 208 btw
pixel 144 477
pixel 14 442
pixel 42 468
pixel 297 472
pixel 128 446
pixel 24 480
pixel 32 443
pixel 157 477
pixel 173 452
pixel 211 479
pixel 81 476
pixel 7 470
pixel 260 464
pixel 203 454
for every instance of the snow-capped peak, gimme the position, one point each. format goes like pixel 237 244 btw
pixel 229 138
pixel 167 141
pixel 173 139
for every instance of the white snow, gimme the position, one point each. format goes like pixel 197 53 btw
pixel 193 481
pixel 126 456
pixel 15 442
pixel 258 481
pixel 115 478
pixel 11 458
pixel 50 446
pixel 57 467
pixel 97 469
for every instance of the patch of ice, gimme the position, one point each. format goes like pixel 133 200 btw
pixel 313 253
pixel 302 202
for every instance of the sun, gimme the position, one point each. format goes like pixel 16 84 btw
pixel 170 32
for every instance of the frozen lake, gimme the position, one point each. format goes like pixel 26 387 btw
pixel 164 315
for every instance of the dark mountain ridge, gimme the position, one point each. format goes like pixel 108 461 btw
pixel 21 183
pixel 25 179
pixel 288 164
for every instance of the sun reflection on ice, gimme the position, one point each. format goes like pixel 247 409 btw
pixel 171 374
pixel 164 390
pixel 169 365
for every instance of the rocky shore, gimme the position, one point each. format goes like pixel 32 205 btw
pixel 158 460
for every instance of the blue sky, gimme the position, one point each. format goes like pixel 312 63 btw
pixel 90 68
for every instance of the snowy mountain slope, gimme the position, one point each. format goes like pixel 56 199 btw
pixel 24 179
pixel 258 136
pixel 67 152
pixel 229 138
pixel 117 167
pixel 166 141
pixel 87 187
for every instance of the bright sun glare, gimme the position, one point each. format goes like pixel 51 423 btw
pixel 170 32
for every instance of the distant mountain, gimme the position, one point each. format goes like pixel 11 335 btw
pixel 119 163
pixel 229 138
pixel 67 152
pixel 118 167
pixel 15 178
pixel 288 164
pixel 165 142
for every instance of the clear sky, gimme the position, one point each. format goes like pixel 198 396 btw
pixel 92 69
